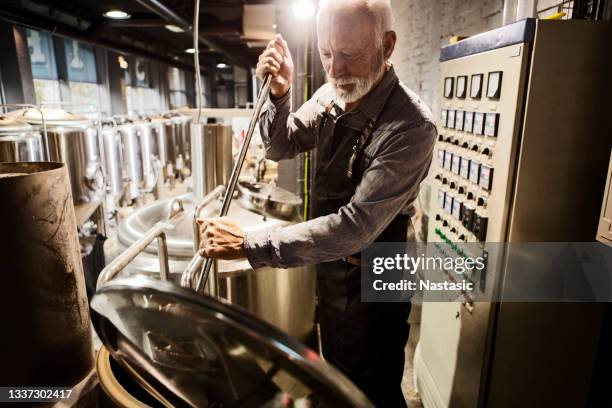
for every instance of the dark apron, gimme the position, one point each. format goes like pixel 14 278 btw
pixel 364 340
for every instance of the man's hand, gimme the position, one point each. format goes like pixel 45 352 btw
pixel 221 238
pixel 276 61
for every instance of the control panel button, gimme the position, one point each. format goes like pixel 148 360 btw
pixel 474 172
pixel 448 203
pixel 457 206
pixel 494 85
pixel 441 198
pixel 478 123
pixel 461 87
pixel 476 86
pixel 459 118
pixel 456 166
pixel 467 217
pixel 486 177
pixel 441 158
pixel 451 119
pixel 491 124
pixel 448 87
pixel 444 117
pixel 465 168
pixel 468 122
pixel 448 160
pixel 480 226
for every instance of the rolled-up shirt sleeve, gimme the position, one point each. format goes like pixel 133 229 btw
pixel 285 134
pixel 390 182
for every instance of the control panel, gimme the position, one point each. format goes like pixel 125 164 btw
pixel 477 134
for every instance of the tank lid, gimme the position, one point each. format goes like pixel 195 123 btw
pixel 11 126
pixel 193 350
pixel 52 116
pixel 269 199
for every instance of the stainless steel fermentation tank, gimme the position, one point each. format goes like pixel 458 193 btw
pixel 132 159
pixel 178 139
pixel 284 297
pixel 43 305
pixel 19 142
pixel 72 139
pixel 116 177
pixel 211 157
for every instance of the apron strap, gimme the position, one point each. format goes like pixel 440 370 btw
pixel 359 145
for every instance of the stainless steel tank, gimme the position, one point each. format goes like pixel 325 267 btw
pixel 283 297
pixel 19 142
pixel 114 165
pixel 178 138
pixel 43 305
pixel 132 159
pixel 149 149
pixel 211 147
pixel 184 138
pixel 72 140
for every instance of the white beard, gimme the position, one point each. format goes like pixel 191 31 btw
pixel 361 85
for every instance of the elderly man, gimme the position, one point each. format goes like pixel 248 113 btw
pixel 373 139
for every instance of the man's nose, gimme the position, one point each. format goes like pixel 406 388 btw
pixel 337 67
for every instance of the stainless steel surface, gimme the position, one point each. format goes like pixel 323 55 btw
pixel 19 142
pixel 69 139
pixel 132 159
pixel 45 143
pixel 267 199
pixel 116 176
pixel 178 138
pixel 43 304
pixel 188 276
pixel 202 277
pixel 157 232
pixel 283 297
pixel 149 152
pixel 196 351
pixel 549 160
pixel 211 157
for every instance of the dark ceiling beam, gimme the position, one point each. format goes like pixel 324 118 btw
pixel 39 22
pixel 173 17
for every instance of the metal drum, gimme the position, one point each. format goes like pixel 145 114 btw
pixel 132 159
pixel 283 297
pixel 71 140
pixel 19 142
pixel 43 304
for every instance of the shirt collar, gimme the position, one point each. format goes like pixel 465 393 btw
pixel 375 100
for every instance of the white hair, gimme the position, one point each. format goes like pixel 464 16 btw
pixel 380 11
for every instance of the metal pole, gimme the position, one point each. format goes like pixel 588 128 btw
pixel 197 261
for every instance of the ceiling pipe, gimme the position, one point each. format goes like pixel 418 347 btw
pixel 164 11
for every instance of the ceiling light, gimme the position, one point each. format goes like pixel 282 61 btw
pixel 190 51
pixel 174 28
pixel 116 14
pixel 123 62
pixel 303 9
pixel 221 65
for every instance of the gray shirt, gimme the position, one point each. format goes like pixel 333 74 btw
pixel 394 162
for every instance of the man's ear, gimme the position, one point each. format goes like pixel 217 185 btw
pixel 389 43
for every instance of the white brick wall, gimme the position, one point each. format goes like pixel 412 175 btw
pixel 424 26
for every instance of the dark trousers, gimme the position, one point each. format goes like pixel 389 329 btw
pixel 366 342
